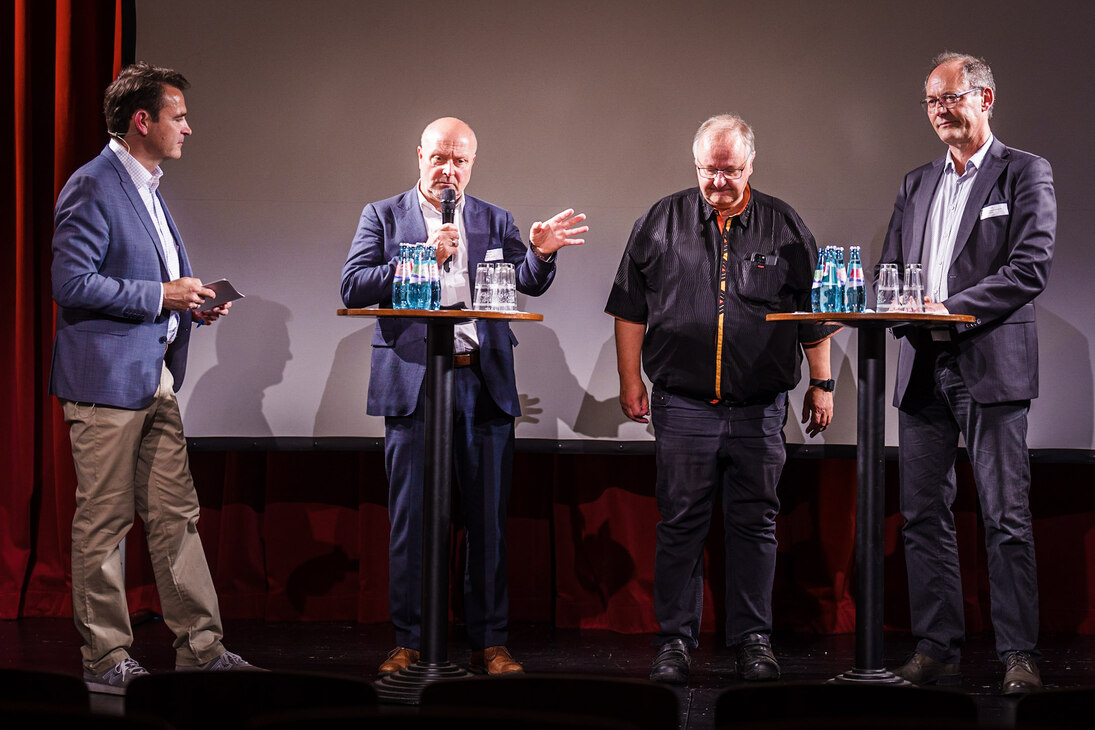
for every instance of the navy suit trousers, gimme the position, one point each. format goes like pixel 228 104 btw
pixel 482 473
pixel 931 420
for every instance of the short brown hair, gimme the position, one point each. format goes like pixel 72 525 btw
pixel 139 86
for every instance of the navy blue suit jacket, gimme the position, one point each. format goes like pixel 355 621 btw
pixel 108 270
pixel 1001 262
pixel 399 345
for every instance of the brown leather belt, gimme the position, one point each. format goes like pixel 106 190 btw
pixel 464 359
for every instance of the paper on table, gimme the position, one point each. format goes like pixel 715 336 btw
pixel 225 293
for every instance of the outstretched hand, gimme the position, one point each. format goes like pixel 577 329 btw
pixel 551 235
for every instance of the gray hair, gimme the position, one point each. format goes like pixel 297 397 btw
pixel 724 124
pixel 976 71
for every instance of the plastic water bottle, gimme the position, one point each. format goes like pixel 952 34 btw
pixel 815 287
pixel 435 278
pixel 399 281
pixel 419 283
pixel 842 280
pixel 854 293
pixel 832 299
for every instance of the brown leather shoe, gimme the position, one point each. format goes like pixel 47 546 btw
pixel 1021 674
pixel 922 669
pixel 493 660
pixel 398 658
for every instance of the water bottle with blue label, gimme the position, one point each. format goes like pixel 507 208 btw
pixel 435 278
pixel 832 299
pixel 842 280
pixel 855 294
pixel 399 281
pixel 815 287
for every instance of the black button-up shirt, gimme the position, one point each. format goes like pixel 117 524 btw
pixel 670 278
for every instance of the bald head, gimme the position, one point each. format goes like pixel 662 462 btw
pixel 445 158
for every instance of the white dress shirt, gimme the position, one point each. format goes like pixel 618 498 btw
pixel 456 282
pixel 943 219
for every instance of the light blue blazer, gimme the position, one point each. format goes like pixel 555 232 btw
pixel 108 270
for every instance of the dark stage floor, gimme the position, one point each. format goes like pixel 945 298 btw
pixel 355 650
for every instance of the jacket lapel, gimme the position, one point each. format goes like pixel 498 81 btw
pixel 922 203
pixel 138 204
pixel 991 169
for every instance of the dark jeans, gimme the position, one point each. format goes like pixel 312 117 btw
pixel 704 450
pixel 995 437
pixel 482 471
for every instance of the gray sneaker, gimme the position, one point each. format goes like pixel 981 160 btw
pixel 226 662
pixel 115 680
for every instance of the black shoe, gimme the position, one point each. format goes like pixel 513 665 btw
pixel 921 669
pixel 671 663
pixel 756 662
pixel 1021 674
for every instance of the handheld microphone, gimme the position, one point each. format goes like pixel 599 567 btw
pixel 448 214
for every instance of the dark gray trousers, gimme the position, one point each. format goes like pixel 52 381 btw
pixel 703 450
pixel 995 435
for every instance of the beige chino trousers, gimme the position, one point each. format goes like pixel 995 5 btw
pixel 136 461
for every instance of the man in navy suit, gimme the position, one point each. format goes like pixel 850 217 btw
pixel 126 298
pixel 484 389
pixel 981 220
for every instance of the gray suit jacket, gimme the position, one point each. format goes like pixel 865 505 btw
pixel 108 270
pixel 399 345
pixel 999 265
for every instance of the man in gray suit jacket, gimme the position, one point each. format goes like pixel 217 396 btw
pixel 126 299
pixel 981 221
pixel 484 388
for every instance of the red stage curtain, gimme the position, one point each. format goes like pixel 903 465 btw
pixel 63 55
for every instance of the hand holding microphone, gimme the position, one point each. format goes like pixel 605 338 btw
pixel 448 215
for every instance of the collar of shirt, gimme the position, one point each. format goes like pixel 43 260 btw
pixel 142 178
pixel 973 163
pixel 742 217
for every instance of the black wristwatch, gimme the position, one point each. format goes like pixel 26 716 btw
pixel 827 385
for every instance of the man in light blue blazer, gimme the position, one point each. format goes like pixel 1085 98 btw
pixel 484 388
pixel 981 220
pixel 126 298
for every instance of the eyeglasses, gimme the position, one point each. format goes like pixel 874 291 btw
pixel 710 173
pixel 946 100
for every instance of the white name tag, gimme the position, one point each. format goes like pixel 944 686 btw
pixel 991 211
pixel 494 254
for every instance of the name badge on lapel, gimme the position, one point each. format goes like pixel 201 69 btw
pixel 494 254
pixel 991 211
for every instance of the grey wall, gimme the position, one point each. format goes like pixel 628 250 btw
pixel 304 111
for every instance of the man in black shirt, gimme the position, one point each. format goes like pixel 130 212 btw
pixel 700 272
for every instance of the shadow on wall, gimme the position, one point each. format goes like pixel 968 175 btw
pixel 341 409
pixel 253 340
pixel 546 383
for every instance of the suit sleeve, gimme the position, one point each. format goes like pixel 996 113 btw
pixel 367 274
pixel 533 275
pixel 81 246
pixel 1025 272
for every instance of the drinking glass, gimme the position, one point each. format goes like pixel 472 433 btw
pixel 507 288
pixel 484 284
pixel 887 298
pixel 912 296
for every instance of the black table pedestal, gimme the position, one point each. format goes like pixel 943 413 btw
pixel 870 511
pixel 405 686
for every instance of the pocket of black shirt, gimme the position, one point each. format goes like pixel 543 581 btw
pixel 762 277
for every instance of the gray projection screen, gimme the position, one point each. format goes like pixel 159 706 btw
pixel 304 111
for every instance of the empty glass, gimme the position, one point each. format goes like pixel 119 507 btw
pixel 484 283
pixel 507 289
pixel 888 288
pixel 912 296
